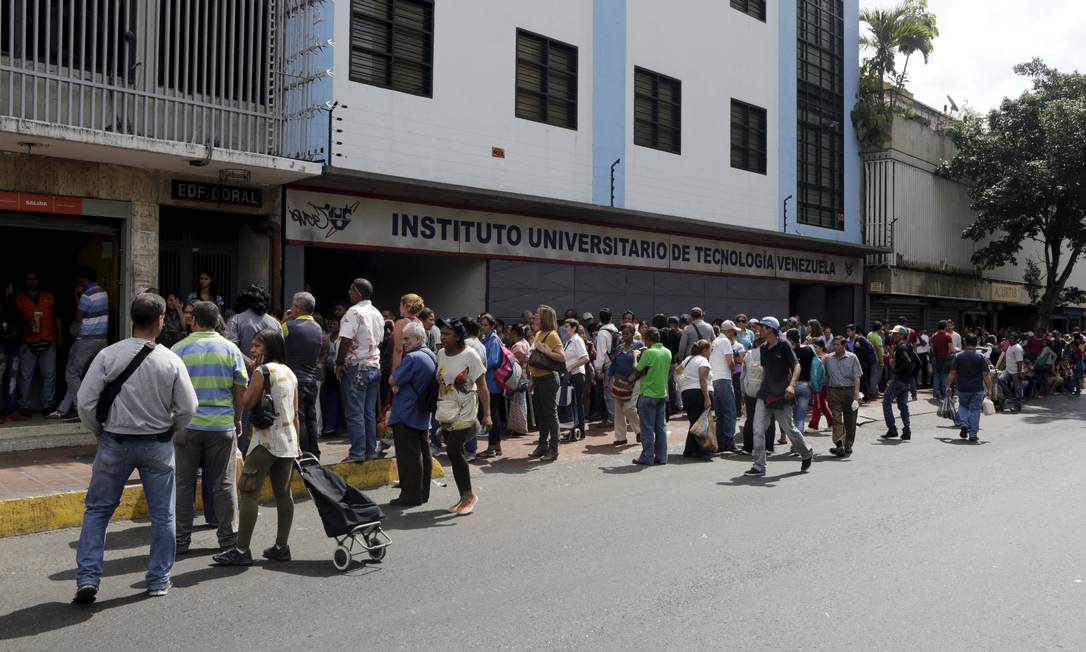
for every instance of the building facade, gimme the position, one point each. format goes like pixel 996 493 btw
pixel 623 153
pixel 917 216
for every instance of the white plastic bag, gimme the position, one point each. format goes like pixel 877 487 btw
pixel 987 407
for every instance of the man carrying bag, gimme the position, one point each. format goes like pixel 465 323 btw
pixel 135 433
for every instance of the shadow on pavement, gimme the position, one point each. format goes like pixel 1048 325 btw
pixel 110 568
pixel 423 520
pixel 192 578
pixel 51 616
pixel 622 470
pixel 755 481
pixel 136 537
pixel 510 465
pixel 958 441
pixel 323 568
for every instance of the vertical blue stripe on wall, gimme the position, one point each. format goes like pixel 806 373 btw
pixel 786 126
pixel 853 219
pixel 608 100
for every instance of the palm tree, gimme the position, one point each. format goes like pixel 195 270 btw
pixel 905 29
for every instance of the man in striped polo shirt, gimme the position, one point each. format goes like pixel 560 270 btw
pixel 217 370
pixel 92 317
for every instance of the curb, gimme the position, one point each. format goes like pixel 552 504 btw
pixel 57 511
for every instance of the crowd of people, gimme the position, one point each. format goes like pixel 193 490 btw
pixel 270 386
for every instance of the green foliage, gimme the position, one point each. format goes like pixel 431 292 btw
pixel 1025 161
pixel 871 116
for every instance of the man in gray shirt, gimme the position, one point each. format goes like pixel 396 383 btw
pixel 305 338
pixel 696 330
pixel 843 373
pixel 155 402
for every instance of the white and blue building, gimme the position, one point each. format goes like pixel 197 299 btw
pixel 633 154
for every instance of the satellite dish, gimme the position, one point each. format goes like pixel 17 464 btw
pixel 953 104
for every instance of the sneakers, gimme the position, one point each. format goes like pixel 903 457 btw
pixel 906 435
pixel 55 414
pixel 753 472
pixel 963 433
pixel 973 440
pixel 805 465
pixel 233 557
pixel 160 591
pixel 85 594
pixel 729 448
pixel 277 553
pixel 890 434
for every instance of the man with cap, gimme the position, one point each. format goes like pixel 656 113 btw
pixel 722 363
pixel 776 397
pixel 897 389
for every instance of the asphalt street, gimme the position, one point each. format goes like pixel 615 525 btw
pixel 928 544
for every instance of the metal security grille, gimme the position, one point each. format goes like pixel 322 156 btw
pixel 657 111
pixel 753 8
pixel 546 80
pixel 748 137
pixel 194 71
pixel 392 44
pixel 821 125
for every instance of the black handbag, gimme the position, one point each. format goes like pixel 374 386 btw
pixel 544 362
pixel 263 415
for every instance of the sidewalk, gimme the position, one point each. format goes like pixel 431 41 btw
pixel 43 489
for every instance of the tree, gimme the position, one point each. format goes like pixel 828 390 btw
pixel 905 29
pixel 1026 163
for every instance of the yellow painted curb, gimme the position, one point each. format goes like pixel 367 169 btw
pixel 45 513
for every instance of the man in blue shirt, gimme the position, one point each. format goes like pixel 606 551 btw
pixel 969 372
pixel 92 317
pixel 410 417
pixel 488 328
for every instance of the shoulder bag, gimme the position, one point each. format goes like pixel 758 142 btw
pixel 544 362
pixel 113 388
pixel 263 416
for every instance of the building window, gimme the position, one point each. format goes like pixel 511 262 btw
pixel 657 111
pixel 753 8
pixel 821 120
pixel 546 80
pixel 77 36
pixel 392 44
pixel 748 137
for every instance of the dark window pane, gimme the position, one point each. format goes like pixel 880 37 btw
pixel 657 111
pixel 392 44
pixel 546 80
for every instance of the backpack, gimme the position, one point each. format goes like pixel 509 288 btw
pixel 508 374
pixel 616 342
pixel 818 371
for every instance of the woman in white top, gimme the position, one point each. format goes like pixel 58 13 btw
pixel 923 351
pixel 272 450
pixel 576 358
pixel 696 385
pixel 461 378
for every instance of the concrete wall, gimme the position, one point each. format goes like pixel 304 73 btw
pixel 145 191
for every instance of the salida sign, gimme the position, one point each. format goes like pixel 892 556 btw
pixel 320 218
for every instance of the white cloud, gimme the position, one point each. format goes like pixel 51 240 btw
pixel 981 40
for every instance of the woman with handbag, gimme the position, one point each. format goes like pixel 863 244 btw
pixel 461 377
pixel 753 374
pixel 696 386
pixel 623 392
pixel 545 363
pixel 272 399
pixel 576 358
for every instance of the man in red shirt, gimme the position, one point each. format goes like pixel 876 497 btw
pixel 1035 344
pixel 42 336
pixel 942 345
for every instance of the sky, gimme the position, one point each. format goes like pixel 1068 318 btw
pixel 980 41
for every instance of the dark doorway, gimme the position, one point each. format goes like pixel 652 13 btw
pixel 192 242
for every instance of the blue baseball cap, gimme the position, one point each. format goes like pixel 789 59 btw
pixel 770 322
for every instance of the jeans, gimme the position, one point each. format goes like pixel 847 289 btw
pixel 653 415
pixel 724 404
pixel 748 427
pixel 969 408
pixel 218 452
pixel 876 375
pixel 113 463
pixel 1011 385
pixel 79 359
pixel 782 415
pixel 46 362
pixel 360 389
pixel 307 419
pixel 331 405
pixel 608 400
pixel 803 402
pixel 896 390
pixel 577 380
pixel 939 377
pixel 925 374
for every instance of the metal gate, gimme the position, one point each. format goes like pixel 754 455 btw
pixel 890 313
pixel 191 243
